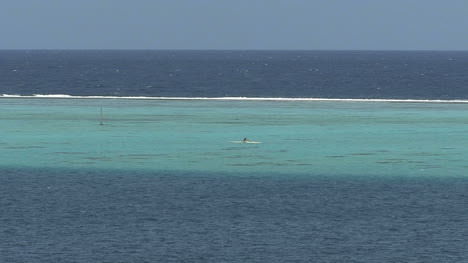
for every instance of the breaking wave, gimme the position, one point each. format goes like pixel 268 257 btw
pixel 65 96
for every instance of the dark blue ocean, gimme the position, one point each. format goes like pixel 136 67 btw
pixel 123 214
pixel 304 74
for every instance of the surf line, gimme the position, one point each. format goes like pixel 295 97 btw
pixel 65 96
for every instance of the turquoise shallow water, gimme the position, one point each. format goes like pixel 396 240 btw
pixel 297 138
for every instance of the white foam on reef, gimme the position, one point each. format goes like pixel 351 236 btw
pixel 65 96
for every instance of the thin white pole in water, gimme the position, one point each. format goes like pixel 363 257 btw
pixel 101 117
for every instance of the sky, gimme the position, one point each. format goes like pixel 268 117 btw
pixel 235 24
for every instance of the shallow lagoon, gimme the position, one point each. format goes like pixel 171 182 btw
pixel 300 138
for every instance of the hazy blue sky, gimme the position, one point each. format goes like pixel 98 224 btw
pixel 234 24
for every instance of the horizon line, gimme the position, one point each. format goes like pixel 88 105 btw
pixel 181 49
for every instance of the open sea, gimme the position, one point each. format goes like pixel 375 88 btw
pixel 362 156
